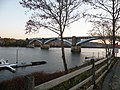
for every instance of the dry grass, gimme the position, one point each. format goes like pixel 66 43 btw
pixel 18 82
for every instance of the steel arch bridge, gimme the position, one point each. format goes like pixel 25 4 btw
pixel 70 41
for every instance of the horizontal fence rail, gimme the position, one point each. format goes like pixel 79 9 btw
pixel 61 79
pixel 92 74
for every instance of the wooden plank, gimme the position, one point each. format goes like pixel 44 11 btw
pixel 101 76
pixel 100 61
pixel 90 88
pixel 110 65
pixel 81 83
pixel 100 68
pixel 61 79
pixel 109 61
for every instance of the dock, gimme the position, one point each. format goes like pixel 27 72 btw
pixel 30 64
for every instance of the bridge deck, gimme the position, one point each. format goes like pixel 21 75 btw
pixel 112 80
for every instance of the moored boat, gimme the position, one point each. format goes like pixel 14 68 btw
pixel 5 65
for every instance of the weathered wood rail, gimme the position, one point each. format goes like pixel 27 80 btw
pixel 86 78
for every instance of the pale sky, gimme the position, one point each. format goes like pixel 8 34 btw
pixel 13 19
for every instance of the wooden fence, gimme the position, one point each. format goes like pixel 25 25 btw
pixel 85 78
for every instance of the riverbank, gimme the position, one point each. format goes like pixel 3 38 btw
pixel 17 83
pixel 40 77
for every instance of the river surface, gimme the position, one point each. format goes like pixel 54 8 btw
pixel 51 56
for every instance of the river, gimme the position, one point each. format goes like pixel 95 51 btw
pixel 52 56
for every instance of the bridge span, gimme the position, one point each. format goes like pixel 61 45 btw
pixel 74 42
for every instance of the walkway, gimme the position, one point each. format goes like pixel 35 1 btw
pixel 112 80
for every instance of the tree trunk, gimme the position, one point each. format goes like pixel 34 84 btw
pixel 63 55
pixel 113 52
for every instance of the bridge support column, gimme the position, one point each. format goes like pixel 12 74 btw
pixel 45 46
pixel 74 47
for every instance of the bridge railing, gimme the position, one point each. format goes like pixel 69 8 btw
pixel 86 78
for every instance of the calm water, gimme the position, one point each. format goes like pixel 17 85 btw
pixel 52 56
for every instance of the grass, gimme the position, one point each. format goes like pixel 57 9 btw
pixel 14 84
pixel 18 82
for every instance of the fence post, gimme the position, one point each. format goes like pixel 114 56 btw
pixel 93 73
pixel 29 83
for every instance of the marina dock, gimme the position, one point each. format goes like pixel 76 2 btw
pixel 30 64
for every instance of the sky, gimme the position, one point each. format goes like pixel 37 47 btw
pixel 13 18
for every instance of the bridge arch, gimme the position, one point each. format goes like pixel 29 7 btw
pixel 50 40
pixel 69 43
pixel 35 40
pixel 85 41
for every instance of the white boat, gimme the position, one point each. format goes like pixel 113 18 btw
pixel 5 64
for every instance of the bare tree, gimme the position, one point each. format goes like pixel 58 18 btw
pixel 103 29
pixel 54 15
pixel 107 10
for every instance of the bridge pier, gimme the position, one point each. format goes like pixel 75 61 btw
pixel 45 46
pixel 74 47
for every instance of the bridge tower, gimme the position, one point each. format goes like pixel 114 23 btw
pixel 74 47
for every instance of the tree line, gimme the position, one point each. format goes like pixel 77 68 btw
pixel 9 42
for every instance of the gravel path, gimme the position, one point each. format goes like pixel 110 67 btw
pixel 112 80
